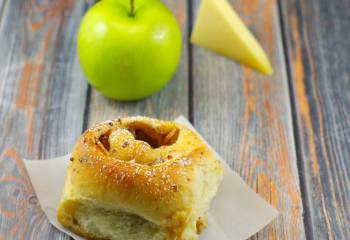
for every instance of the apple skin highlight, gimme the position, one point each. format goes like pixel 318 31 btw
pixel 129 57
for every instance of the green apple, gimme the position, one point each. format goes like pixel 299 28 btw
pixel 129 49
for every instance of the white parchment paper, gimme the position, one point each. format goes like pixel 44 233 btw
pixel 236 212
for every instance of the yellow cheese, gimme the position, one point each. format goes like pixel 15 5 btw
pixel 219 28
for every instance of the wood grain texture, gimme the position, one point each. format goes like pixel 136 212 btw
pixel 169 103
pixel 247 118
pixel 42 100
pixel 317 36
pixel 2 6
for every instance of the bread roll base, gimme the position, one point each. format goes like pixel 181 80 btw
pixel 139 178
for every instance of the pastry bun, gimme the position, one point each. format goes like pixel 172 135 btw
pixel 139 178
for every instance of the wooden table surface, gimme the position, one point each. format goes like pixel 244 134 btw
pixel 288 135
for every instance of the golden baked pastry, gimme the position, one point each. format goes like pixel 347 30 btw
pixel 138 178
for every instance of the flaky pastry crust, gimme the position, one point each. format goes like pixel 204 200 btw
pixel 158 170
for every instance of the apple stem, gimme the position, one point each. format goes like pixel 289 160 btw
pixel 132 8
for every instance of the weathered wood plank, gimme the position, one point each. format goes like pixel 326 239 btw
pixel 168 103
pixel 42 101
pixel 317 36
pixel 247 118
pixel 2 6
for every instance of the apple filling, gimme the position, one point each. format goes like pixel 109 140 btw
pixel 155 139
pixel 138 142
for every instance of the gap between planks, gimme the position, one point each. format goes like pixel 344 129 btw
pixel 300 165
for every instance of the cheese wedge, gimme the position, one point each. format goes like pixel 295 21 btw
pixel 219 28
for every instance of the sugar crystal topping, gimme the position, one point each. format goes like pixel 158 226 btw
pixel 134 162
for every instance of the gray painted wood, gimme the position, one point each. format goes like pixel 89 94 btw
pixel 247 118
pixel 317 37
pixel 2 6
pixel 42 101
pixel 169 103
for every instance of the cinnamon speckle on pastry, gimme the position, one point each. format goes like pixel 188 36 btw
pixel 75 221
pixel 82 160
pixel 174 187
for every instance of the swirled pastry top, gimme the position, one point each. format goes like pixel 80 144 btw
pixel 158 170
